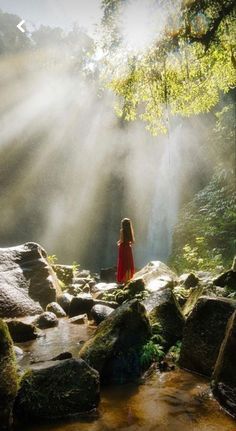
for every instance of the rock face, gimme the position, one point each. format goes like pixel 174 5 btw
pixel 25 277
pixel 164 310
pixel 114 349
pixel 60 390
pixel 21 332
pixel 228 279
pixel 156 275
pixel 224 376
pixel 8 377
pixel 204 332
pixel 100 312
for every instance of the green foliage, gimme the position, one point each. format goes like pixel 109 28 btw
pixel 182 69
pixel 151 352
pixel 52 259
pixel 174 351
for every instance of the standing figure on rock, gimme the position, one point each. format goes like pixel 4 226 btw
pixel 125 267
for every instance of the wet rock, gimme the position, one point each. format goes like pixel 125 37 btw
pixel 80 304
pixel 8 377
pixel 101 289
pixel 204 332
pixel 25 277
pixel 55 308
pixel 62 356
pixel 60 390
pixel 21 332
pixel 64 301
pixel 78 319
pixel 192 299
pixel 164 310
pixel 228 279
pixel 189 280
pixel 46 320
pixel 156 275
pixel 114 350
pixel 100 312
pixel 108 275
pixel 224 376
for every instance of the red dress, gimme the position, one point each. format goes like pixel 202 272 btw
pixel 125 267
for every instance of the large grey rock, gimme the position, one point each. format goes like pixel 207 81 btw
pixel 164 310
pixel 64 301
pixel 8 377
pixel 80 304
pixel 156 275
pixel 189 280
pixel 55 308
pixel 46 320
pixel 204 332
pixel 100 312
pixel 228 279
pixel 25 277
pixel 114 350
pixel 60 390
pixel 224 376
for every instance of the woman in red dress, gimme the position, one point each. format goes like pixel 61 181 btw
pixel 125 267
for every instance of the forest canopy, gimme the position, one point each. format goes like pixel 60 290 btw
pixel 188 62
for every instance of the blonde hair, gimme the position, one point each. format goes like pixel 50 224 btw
pixel 126 231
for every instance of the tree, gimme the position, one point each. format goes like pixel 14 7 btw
pixel 181 71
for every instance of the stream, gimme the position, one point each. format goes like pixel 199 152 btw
pixel 171 401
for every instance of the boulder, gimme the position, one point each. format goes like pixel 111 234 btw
pixel 46 320
pixel 8 377
pixel 101 289
pixel 108 275
pixel 194 295
pixel 65 273
pixel 80 304
pixel 78 320
pixel 156 275
pixel 224 376
pixel 114 350
pixel 64 301
pixel 228 279
pixel 204 332
pixel 164 310
pixel 21 331
pixel 58 390
pixel 55 308
pixel 189 280
pixel 100 312
pixel 25 277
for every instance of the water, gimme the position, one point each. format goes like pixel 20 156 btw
pixel 172 401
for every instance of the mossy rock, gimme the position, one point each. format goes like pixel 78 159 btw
pixel 114 349
pixel 8 376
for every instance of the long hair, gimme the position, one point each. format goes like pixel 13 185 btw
pixel 126 231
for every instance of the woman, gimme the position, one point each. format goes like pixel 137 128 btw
pixel 125 267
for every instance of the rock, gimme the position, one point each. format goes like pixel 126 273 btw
pixel 156 275
pixel 25 277
pixel 80 304
pixel 189 280
pixel 9 378
pixel 78 319
pixel 103 288
pixel 100 312
pixel 62 356
pixel 65 273
pixel 21 332
pixel 164 310
pixel 204 332
pixel 192 299
pixel 55 308
pixel 18 352
pixel 224 376
pixel 46 320
pixel 83 273
pixel 108 275
pixel 64 301
pixel 59 391
pixel 114 350
pixel 228 279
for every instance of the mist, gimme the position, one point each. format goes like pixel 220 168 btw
pixel 71 170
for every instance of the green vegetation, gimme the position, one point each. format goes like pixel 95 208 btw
pixel 151 352
pixel 174 352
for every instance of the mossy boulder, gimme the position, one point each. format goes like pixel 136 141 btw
pixel 227 279
pixel 55 308
pixel 204 332
pixel 21 331
pixel 8 377
pixel 189 280
pixel 224 376
pixel 114 350
pixel 65 273
pixel 60 390
pixel 100 312
pixel 164 311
